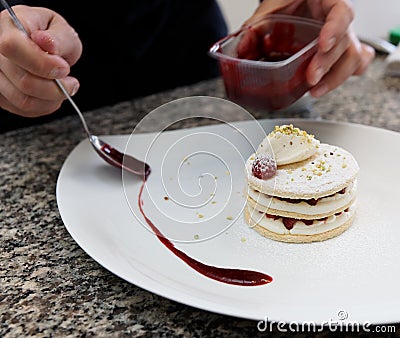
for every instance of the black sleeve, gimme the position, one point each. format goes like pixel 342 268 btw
pixel 12 3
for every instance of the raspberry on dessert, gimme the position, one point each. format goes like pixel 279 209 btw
pixel 264 166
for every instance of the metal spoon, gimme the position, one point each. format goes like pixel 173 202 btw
pixel 108 153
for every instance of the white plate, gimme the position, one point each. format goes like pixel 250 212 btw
pixel 354 276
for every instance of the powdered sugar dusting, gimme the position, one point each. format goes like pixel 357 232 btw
pixel 329 170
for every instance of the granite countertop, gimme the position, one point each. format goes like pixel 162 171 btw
pixel 51 287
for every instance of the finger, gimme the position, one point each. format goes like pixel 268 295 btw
pixel 316 10
pixel 35 86
pixel 339 15
pixel 29 56
pixel 274 6
pixel 49 30
pixel 44 110
pixel 367 55
pixel 6 105
pixel 321 63
pixel 60 39
pixel 347 65
pixel 16 102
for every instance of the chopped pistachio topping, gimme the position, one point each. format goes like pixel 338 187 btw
pixel 288 129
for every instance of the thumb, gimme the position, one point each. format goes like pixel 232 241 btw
pixel 59 39
pixel 274 6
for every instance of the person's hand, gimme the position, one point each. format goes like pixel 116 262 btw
pixel 28 66
pixel 340 54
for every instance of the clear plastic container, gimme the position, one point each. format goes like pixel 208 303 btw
pixel 263 65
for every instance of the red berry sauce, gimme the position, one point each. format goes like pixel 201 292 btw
pixel 224 275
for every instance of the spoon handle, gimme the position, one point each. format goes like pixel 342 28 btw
pixel 13 16
pixel 60 85
pixel 19 25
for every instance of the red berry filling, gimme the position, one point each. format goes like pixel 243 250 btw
pixel 311 201
pixel 289 222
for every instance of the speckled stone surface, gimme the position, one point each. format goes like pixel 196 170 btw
pixel 51 287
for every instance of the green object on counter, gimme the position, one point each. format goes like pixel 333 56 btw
pixel 394 35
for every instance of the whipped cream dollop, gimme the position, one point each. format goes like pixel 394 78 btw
pixel 289 144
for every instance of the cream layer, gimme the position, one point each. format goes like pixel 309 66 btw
pixel 325 205
pixel 299 228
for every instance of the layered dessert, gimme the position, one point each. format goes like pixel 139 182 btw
pixel 299 189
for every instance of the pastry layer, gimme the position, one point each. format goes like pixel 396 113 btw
pixel 303 238
pixel 323 207
pixel 300 233
pixel 329 170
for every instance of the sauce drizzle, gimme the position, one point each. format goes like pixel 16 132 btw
pixel 224 275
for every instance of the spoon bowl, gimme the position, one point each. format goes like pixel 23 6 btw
pixel 118 159
pixel 107 152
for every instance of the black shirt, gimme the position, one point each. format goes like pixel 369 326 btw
pixel 135 48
